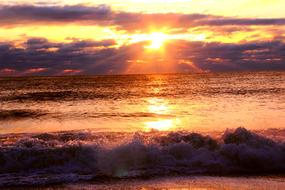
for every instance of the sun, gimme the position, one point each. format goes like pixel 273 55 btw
pixel 157 39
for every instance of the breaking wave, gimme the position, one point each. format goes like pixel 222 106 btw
pixel 73 156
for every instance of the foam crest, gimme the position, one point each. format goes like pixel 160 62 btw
pixel 146 154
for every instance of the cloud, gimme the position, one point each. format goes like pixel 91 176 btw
pixel 223 21
pixel 29 14
pixel 46 58
pixel 41 57
pixel 103 15
pixel 254 56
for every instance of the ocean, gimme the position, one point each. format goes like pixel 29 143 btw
pixel 74 129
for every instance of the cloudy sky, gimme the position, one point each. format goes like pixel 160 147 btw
pixel 68 37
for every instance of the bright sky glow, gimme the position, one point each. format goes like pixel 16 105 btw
pixel 154 33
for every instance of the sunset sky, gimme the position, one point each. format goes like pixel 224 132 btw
pixel 68 37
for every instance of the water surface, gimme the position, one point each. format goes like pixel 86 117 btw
pixel 196 102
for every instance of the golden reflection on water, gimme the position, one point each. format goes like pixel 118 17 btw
pixel 158 106
pixel 162 125
pixel 163 110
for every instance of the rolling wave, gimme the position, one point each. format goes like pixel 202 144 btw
pixel 72 156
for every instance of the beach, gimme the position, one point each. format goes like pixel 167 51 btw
pixel 179 183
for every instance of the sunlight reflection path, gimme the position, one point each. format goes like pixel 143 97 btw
pixel 161 107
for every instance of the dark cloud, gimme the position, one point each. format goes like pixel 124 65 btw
pixel 28 14
pixel 41 57
pixel 104 15
pixel 255 56
pixel 243 21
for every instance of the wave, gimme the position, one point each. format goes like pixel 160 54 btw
pixel 67 95
pixel 22 114
pixel 72 156
pixel 18 114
